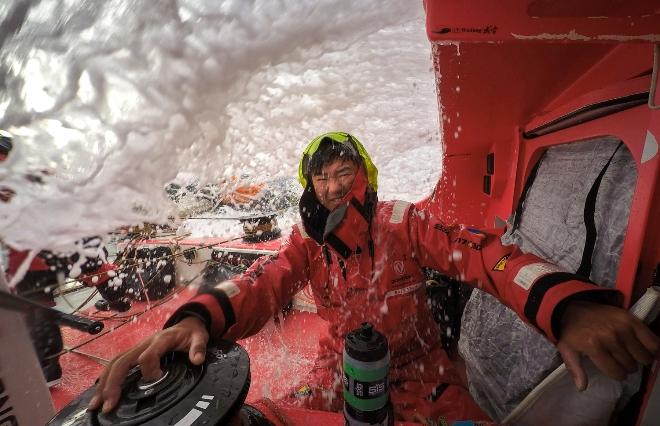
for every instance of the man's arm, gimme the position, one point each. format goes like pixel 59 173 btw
pixel 232 310
pixel 571 311
pixel 240 307
pixel 611 337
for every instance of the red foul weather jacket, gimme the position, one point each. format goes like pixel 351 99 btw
pixel 369 268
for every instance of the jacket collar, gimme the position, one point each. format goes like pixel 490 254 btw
pixel 344 227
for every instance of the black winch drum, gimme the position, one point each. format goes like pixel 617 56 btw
pixel 185 395
pixel 366 364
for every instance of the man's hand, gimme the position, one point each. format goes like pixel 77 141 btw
pixel 611 337
pixel 188 335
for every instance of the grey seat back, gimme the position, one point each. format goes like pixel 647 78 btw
pixel 505 358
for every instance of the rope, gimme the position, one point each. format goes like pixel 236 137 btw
pixel 125 266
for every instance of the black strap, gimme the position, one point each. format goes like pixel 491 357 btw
pixel 337 244
pixel 326 255
pixel 438 391
pixel 525 192
pixel 342 266
pixel 590 221
pixel 360 208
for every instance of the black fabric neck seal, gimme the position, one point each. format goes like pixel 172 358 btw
pixel 313 214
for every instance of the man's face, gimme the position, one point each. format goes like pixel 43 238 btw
pixel 334 181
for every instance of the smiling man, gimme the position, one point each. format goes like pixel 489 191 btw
pixel 364 259
pixel 333 181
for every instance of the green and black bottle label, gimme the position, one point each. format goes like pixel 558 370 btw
pixel 366 362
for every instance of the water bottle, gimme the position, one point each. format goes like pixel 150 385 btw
pixel 366 363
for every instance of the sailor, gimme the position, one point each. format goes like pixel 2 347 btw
pixel 364 259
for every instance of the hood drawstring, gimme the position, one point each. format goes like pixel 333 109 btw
pixel 342 266
pixel 327 259
pixel 372 254
pixel 370 205
pixel 326 254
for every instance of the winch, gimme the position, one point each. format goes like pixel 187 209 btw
pixel 209 394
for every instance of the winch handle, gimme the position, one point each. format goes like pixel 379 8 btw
pixel 20 304
pixel 79 323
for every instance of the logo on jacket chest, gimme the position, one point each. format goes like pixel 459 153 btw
pixel 399 267
pixel 401 275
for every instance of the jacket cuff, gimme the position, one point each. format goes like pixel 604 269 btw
pixel 191 309
pixel 551 293
pixel 603 296
pixel 214 308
